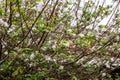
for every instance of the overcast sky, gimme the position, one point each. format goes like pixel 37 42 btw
pixel 107 2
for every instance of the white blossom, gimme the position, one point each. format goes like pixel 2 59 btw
pixel 119 30
pixel 69 30
pixel 11 29
pixel 47 58
pixel 17 15
pixel 54 46
pixel 107 64
pixel 1 69
pixel 55 61
pixel 115 64
pixel 67 44
pixel 38 6
pixel 61 67
pixel 74 35
pixel 103 74
pixel 104 29
pixel 112 59
pixel 44 48
pixel 93 61
pixel 81 35
pixel 112 30
pixel 32 64
pixel 73 23
pixel 3 23
pixel 1 1
pixel 26 59
pixel 49 42
pixel 93 48
pixel 117 38
pixel 89 27
pixel 6 53
pixel 63 61
pixel 32 56
pixel 118 49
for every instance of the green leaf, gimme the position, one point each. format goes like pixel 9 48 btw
pixel 1 12
pixel 101 26
pixel 18 71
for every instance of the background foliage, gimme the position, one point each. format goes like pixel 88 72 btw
pixel 59 40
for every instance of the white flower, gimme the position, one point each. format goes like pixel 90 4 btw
pixel 44 48
pixel 49 42
pixel 103 74
pixel 93 48
pixel 6 53
pixel 1 69
pixel 11 29
pixel 89 33
pixel 89 27
pixel 66 9
pixel 119 30
pixel 81 35
pixel 67 44
pixel 93 61
pixel 112 59
pixel 115 64
pixel 32 56
pixel 74 35
pixel 69 30
pixel 96 29
pixel 17 15
pixel 38 6
pixel 1 21
pixel 61 67
pixel 1 1
pixel 55 61
pixel 80 12
pixel 23 6
pixel 107 64
pixel 32 64
pixel 117 38
pixel 73 23
pixel 63 61
pixel 113 30
pixel 48 58
pixel 104 29
pixel 5 24
pixel 54 46
pixel 26 59
pixel 118 49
